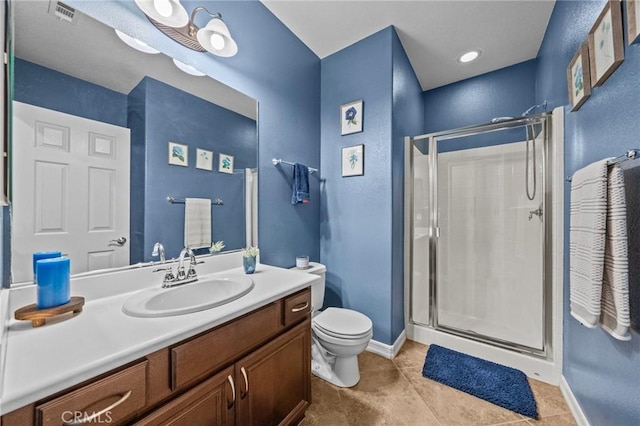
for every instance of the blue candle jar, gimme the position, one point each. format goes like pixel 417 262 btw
pixel 249 264
pixel 53 277
pixel 43 255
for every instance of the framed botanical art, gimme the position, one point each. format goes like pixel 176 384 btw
pixel 225 163
pixel 353 161
pixel 578 78
pixel 204 159
pixel 351 116
pixel 633 21
pixel 606 45
pixel 178 154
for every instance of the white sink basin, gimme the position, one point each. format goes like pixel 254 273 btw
pixel 206 293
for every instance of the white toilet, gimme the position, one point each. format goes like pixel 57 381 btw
pixel 338 336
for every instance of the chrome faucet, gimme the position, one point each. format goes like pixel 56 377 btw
pixel 158 250
pixel 538 212
pixel 181 276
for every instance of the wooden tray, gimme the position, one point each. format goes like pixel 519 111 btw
pixel 38 317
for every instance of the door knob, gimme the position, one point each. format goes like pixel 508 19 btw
pixel 120 241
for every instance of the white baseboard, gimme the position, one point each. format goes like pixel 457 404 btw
pixel 387 351
pixel 572 402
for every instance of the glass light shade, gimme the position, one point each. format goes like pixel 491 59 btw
pixel 136 44
pixel 177 18
pixel 216 31
pixel 187 68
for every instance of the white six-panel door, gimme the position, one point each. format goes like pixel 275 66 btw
pixel 70 190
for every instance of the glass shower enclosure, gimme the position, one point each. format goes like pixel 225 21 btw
pixel 478 226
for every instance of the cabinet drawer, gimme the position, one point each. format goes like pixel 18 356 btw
pixel 108 400
pixel 211 403
pixel 212 350
pixel 297 306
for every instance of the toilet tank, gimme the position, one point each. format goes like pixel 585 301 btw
pixel 317 289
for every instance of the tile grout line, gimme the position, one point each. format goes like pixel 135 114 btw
pixel 419 396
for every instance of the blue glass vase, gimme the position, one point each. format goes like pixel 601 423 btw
pixel 249 264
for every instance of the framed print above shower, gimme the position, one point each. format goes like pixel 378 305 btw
pixel 225 163
pixel 351 116
pixel 633 21
pixel 178 154
pixel 204 159
pixel 353 161
pixel 606 44
pixel 578 78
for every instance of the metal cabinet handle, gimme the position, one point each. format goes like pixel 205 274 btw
pixel 120 241
pixel 94 416
pixel 246 383
pixel 299 308
pixel 233 392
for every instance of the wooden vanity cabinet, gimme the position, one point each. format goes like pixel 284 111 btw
pixel 254 370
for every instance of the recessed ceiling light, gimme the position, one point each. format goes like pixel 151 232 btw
pixel 470 56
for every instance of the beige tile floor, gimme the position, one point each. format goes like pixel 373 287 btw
pixel 393 392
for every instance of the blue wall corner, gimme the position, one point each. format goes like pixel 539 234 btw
pixel 361 218
pixel 603 373
pixel 408 120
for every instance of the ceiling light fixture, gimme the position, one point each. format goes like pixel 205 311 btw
pixel 470 56
pixel 170 17
pixel 136 44
pixel 187 68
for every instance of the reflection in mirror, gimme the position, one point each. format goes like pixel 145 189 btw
pixel 103 134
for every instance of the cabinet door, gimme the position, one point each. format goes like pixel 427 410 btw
pixel 211 403
pixel 274 382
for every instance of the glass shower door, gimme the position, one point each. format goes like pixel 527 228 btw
pixel 490 250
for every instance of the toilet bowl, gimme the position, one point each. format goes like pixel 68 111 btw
pixel 338 336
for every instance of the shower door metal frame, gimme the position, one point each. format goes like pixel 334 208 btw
pixel 434 231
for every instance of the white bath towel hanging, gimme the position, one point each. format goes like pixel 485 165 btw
pixel 197 223
pixel 586 241
pixel 614 316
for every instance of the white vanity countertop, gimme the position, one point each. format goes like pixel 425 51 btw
pixel 41 361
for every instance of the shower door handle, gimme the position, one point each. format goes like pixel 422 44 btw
pixel 537 212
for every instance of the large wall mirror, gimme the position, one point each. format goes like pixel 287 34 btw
pixel 104 136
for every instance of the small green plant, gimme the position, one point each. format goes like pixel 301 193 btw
pixel 251 251
pixel 216 247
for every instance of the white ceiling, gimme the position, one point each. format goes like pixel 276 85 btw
pixel 91 51
pixel 434 33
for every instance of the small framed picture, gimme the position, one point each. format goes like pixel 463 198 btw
pixel 351 116
pixel 353 161
pixel 204 159
pixel 633 21
pixel 225 163
pixel 578 78
pixel 178 154
pixel 606 45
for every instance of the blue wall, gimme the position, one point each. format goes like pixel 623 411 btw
pixel 276 68
pixel 604 374
pixel 407 121
pixel 170 114
pixel 362 216
pixel 46 88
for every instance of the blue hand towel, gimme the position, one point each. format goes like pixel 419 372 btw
pixel 300 193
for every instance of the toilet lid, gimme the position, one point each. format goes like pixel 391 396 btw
pixel 343 322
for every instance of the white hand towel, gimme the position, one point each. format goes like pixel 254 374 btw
pixel 197 223
pixel 587 241
pixel 614 316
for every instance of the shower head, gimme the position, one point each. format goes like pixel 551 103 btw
pixel 532 109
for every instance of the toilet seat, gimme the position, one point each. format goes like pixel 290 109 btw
pixel 343 324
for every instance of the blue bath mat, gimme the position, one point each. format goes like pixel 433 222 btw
pixel 503 386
